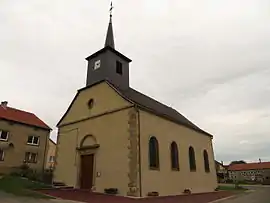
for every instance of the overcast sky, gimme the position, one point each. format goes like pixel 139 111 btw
pixel 214 54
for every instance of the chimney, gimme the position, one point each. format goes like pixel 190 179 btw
pixel 4 104
pixel 260 161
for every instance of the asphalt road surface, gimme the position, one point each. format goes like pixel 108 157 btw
pixel 256 194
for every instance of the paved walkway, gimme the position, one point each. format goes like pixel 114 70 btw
pixel 89 197
pixel 259 195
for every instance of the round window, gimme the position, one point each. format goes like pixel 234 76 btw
pixel 90 103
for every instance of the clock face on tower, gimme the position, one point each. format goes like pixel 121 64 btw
pixel 97 64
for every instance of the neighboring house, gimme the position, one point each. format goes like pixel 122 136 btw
pixel 23 139
pixel 222 172
pixel 258 172
pixel 113 136
pixel 51 155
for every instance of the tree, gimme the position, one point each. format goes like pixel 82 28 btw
pixel 238 162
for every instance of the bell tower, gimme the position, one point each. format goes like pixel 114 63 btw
pixel 108 64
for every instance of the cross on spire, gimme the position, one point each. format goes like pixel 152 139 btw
pixel 111 8
pixel 109 37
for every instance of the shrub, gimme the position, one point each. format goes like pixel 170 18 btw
pixel 111 190
pixel 153 194
pixel 229 181
pixel 15 174
pixel 34 175
pixel 187 191
pixel 25 170
pixel 47 176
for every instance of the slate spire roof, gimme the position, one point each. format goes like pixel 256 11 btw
pixel 109 42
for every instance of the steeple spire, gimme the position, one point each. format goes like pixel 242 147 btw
pixel 109 38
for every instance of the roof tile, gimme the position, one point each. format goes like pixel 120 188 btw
pixel 249 166
pixel 23 117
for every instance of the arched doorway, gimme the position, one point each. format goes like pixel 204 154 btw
pixel 87 151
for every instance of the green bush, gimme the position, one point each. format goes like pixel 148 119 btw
pixel 34 175
pixel 25 171
pixel 47 176
pixel 15 173
pixel 22 186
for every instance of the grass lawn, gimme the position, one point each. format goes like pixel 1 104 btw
pixel 231 188
pixel 22 187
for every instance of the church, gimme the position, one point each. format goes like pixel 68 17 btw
pixel 114 138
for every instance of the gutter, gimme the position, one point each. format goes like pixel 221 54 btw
pixel 45 153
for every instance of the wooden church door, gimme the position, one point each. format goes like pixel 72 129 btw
pixel 87 165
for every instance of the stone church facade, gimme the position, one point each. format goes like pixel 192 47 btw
pixel 113 136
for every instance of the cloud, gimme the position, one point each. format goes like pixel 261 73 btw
pixel 209 60
pixel 244 142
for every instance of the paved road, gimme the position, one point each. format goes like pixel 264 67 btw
pixel 259 195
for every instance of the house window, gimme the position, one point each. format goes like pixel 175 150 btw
pixel 51 159
pixel 153 153
pixel 2 155
pixel 3 135
pixel 192 160
pixel 30 157
pixel 206 161
pixel 119 68
pixel 33 140
pixel 174 156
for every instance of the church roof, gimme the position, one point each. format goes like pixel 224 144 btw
pixel 148 104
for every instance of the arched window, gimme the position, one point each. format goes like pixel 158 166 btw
pixel 153 153
pixel 192 160
pixel 174 156
pixel 206 161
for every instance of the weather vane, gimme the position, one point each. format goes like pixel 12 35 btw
pixel 111 8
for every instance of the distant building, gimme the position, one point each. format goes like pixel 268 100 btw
pixel 257 172
pixel 51 155
pixel 222 172
pixel 23 139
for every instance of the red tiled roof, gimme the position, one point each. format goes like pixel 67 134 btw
pixel 24 117
pixel 249 166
